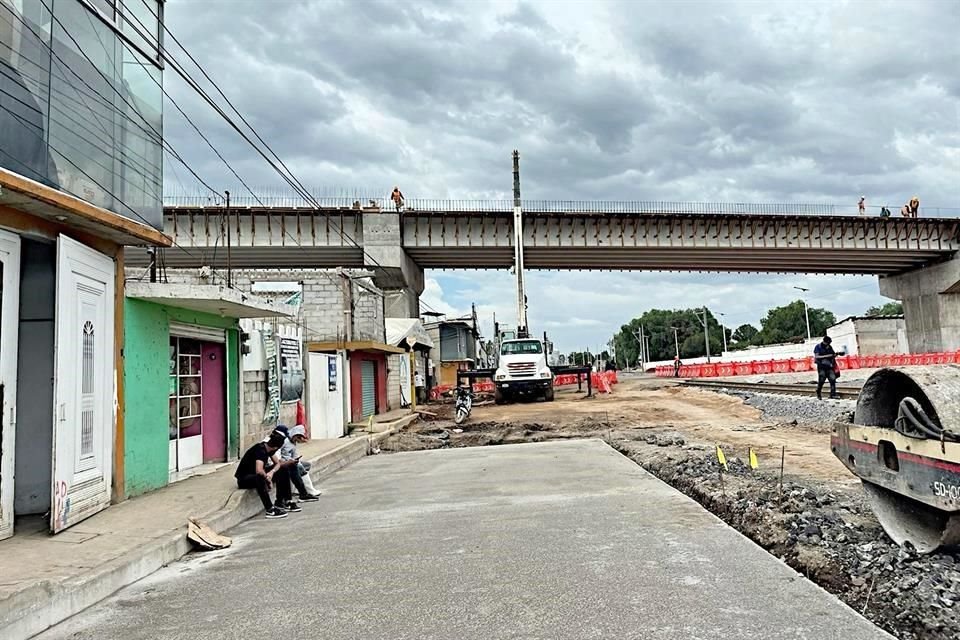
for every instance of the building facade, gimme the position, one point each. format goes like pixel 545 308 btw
pixel 80 176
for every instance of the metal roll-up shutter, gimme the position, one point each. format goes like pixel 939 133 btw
pixel 368 380
pixel 181 330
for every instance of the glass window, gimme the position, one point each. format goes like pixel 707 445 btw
pixel 87 118
pixel 141 23
pixel 186 417
pixel 24 90
pixel 524 346
pixel 106 7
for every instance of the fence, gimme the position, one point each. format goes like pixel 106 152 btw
pixel 602 382
pixel 791 365
pixel 609 207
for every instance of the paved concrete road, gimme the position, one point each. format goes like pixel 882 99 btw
pixel 557 540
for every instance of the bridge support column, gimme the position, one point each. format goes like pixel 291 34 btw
pixel 393 270
pixel 931 305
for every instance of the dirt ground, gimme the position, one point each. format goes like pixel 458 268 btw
pixel 650 405
pixel 814 517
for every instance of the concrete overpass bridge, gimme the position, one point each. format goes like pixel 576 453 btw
pixel 564 235
pixel 915 258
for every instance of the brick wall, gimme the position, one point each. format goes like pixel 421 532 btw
pixel 321 311
pixel 254 408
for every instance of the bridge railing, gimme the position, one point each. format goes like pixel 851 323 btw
pixel 611 207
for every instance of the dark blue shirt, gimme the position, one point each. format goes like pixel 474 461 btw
pixel 822 350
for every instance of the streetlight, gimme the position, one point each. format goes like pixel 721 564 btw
pixel 706 332
pixel 723 330
pixel 676 340
pixel 806 310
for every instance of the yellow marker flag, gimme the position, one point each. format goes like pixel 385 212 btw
pixel 753 459
pixel 722 459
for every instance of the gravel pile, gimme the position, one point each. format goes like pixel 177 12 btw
pixel 799 408
pixel 831 536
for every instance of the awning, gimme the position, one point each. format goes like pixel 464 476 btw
pixel 399 329
pixel 353 345
pixel 33 198
pixel 207 298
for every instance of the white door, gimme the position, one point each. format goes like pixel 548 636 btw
pixel 83 385
pixel 325 385
pixel 9 338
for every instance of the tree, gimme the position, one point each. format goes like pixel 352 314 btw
pixel 658 324
pixel 889 309
pixel 788 324
pixel 745 334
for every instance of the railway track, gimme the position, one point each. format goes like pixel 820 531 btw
pixel 845 393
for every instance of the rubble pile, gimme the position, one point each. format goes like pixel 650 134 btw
pixel 826 533
pixel 804 409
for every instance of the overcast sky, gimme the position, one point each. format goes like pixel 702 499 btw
pixel 702 101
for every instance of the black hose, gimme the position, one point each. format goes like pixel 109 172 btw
pixel 913 422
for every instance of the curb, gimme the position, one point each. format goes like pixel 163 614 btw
pixel 45 603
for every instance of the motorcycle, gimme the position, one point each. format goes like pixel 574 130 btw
pixel 463 404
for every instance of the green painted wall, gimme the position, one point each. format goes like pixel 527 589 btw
pixel 146 380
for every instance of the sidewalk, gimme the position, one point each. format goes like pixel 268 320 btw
pixel 45 579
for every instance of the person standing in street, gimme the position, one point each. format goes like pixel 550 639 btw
pixel 397 198
pixel 826 360
pixel 421 386
pixel 676 366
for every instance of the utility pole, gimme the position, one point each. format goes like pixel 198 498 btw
pixel 723 330
pixel 518 249
pixel 676 341
pixel 642 359
pixel 226 214
pixel 806 310
pixel 706 332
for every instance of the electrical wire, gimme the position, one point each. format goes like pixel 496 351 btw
pixel 64 65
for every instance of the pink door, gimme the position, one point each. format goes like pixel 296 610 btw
pixel 213 371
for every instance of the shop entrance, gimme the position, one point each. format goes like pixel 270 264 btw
pixel 198 418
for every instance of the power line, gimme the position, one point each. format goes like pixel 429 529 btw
pixel 64 65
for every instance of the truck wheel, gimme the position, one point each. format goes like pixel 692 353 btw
pixel 498 397
pixel 548 395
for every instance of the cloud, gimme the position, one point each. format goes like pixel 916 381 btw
pixel 793 101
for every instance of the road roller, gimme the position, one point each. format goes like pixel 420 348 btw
pixel 904 445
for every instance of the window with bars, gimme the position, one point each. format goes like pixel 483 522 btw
pixel 185 388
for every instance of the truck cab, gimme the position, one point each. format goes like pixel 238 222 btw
pixel 522 370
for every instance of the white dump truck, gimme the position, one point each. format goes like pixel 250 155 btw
pixel 522 370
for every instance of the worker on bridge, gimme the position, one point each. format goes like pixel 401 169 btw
pixel 914 207
pixel 397 198
pixel 862 205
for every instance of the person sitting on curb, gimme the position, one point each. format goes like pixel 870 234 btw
pixel 288 456
pixel 257 470
pixel 298 435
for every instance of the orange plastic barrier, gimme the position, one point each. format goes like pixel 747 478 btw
pixel 763 366
pixel 744 368
pixel 708 370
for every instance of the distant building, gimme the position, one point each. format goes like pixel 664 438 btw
pixel 454 349
pixel 870 335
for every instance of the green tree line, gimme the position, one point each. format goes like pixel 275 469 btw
pixel 668 330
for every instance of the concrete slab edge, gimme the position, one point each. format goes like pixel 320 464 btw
pixel 45 604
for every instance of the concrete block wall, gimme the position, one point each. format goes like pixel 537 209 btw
pixel 254 429
pixel 393 381
pixel 321 312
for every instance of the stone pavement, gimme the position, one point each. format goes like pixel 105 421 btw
pixel 44 578
pixel 557 540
